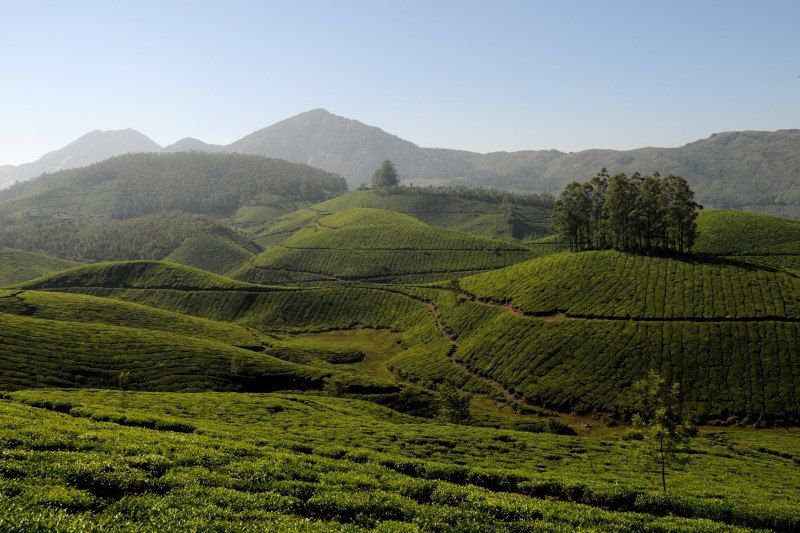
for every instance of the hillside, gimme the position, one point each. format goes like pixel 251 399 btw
pixel 141 184
pixel 137 274
pixel 89 309
pixel 20 265
pixel 377 245
pixel 305 463
pixel 94 355
pixel 574 331
pixel 147 237
pixel 91 148
pixel 751 237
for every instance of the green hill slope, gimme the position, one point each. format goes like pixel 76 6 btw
pixel 284 462
pixel 574 331
pixel 81 308
pixel 94 355
pixel 138 274
pixel 20 265
pixel 611 284
pixel 147 237
pixel 140 184
pixel 492 214
pixel 760 239
pixel 213 252
pixel 378 245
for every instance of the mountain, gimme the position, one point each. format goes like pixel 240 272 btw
pixel 349 148
pixel 727 169
pixel 754 169
pixel 190 144
pixel 91 148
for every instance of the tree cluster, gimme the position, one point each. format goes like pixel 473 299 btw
pixel 628 213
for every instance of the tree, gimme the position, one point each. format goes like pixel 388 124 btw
pixel 618 207
pixel 124 380
pixel 334 387
pixel 386 176
pixel 569 216
pixel 455 403
pixel 665 433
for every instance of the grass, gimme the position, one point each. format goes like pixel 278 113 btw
pixel 83 460
pixel 17 266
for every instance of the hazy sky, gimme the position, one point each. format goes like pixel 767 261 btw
pixel 474 75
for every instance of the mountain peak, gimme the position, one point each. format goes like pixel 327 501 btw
pixel 316 112
pixel 89 148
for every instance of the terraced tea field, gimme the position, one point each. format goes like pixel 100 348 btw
pixel 479 217
pixel 364 317
pixel 19 265
pixel 90 459
pixel 365 244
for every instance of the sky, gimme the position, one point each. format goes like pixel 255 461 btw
pixel 482 76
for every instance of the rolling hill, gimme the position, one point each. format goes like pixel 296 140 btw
pixel 137 275
pixel 751 237
pixel 20 265
pixel 186 235
pixel 379 245
pixel 486 213
pixel 141 184
pixel 574 331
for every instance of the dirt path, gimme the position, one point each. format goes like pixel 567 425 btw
pixel 559 316
pixel 499 387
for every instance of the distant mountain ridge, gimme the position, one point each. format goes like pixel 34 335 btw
pixel 726 170
pixel 91 148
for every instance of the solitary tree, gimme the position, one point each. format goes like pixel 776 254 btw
pixel 386 176
pixel 124 380
pixel 665 433
pixel 454 403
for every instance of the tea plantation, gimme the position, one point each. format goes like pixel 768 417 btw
pixel 480 216
pixel 19 265
pixel 293 374
pixel 87 459
pixel 367 244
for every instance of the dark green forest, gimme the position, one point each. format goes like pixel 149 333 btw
pixel 140 184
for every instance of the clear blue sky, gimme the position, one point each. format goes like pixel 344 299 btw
pixel 474 75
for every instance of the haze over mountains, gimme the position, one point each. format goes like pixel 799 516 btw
pixel 750 168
